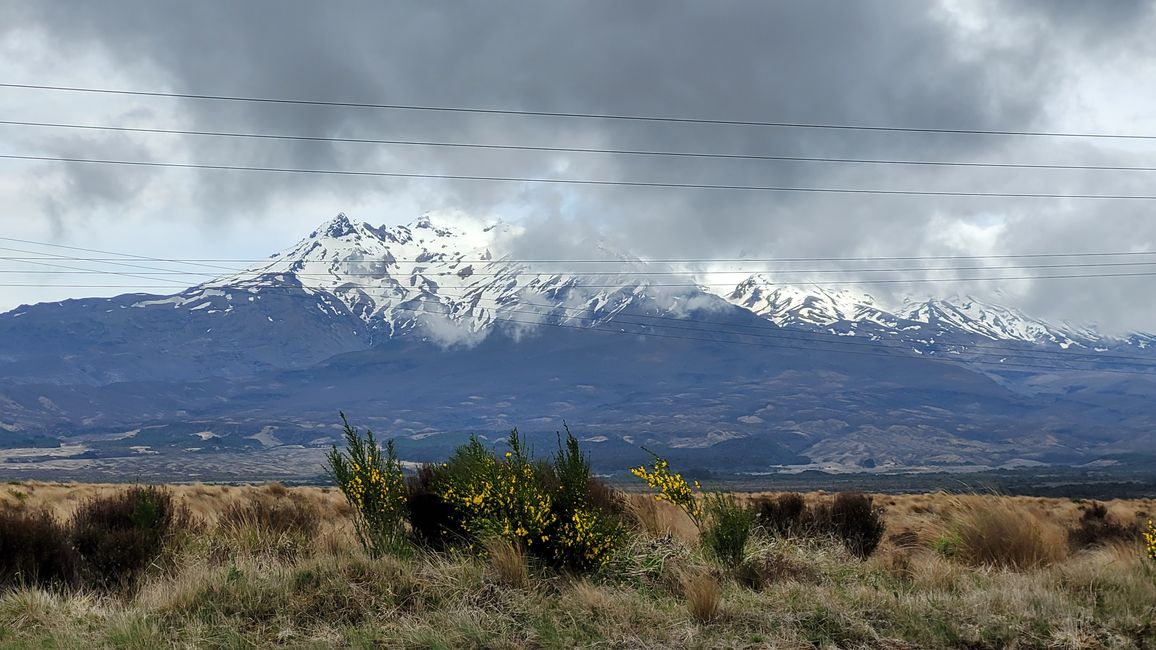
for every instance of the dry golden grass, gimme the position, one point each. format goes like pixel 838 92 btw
pixel 662 590
pixel 206 501
pixel 703 594
pixel 508 563
pixel 921 514
pixel 995 531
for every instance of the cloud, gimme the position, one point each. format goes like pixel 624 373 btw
pixel 988 65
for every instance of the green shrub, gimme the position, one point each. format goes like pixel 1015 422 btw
pixel 853 520
pixel 374 486
pixel 949 545
pixel 671 487
pixel 727 527
pixel 119 536
pixel 35 550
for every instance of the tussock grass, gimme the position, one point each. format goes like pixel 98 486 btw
pixel 661 591
pixel 508 563
pixel 994 531
pixel 703 596
pixel 278 527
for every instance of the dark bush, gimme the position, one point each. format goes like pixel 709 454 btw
pixel 1097 528
pixel 434 522
pixel 35 550
pixel 118 537
pixel 853 520
pixel 783 516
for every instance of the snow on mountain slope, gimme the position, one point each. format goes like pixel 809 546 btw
pixel 995 322
pixel 923 323
pixel 794 306
pixel 398 278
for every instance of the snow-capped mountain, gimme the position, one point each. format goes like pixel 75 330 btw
pixel 955 321
pixel 397 279
pixel 442 277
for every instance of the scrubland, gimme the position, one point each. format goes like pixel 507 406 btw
pixel 267 565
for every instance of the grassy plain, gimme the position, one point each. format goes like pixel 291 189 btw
pixel 915 591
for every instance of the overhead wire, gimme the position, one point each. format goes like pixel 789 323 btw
pixel 580 181
pixel 578 115
pixel 580 150
pixel 639 272
pixel 699 260
pixel 1066 276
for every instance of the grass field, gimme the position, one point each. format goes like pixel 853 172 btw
pixel 938 580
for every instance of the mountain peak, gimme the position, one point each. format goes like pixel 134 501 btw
pixel 337 227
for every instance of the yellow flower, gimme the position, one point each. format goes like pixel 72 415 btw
pixel 1150 541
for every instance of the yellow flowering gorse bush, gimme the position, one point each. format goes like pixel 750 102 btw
pixel 373 484
pixel 542 507
pixel 671 488
pixel 502 498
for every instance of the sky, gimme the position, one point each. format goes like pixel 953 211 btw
pixel 1015 65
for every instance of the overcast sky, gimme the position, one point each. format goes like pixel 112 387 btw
pixel 1040 65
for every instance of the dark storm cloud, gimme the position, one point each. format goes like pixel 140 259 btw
pixel 826 61
pixel 903 62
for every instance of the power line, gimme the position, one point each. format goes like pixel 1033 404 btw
pixel 581 273
pixel 511 261
pixel 102 252
pixel 579 115
pixel 76 269
pixel 785 284
pixel 583 150
pixel 235 272
pixel 591 261
pixel 43 255
pixel 1072 276
pixel 584 182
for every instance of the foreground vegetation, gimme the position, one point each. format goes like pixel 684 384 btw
pixel 222 566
